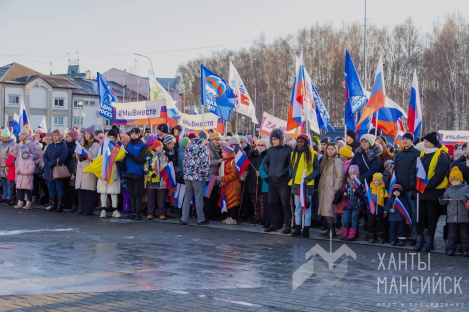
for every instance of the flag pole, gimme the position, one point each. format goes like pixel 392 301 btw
pixel 203 122
pixel 376 127
pixel 418 205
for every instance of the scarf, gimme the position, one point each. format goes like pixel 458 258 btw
pixel 431 150
pixel 216 150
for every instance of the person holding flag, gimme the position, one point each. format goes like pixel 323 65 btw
pixel 405 171
pixel 435 161
pixel 456 199
pixel 396 218
pixel 304 160
pixel 230 185
pixel 354 193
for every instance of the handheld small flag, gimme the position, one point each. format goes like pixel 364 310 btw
pixel 356 182
pixel 16 125
pixel 222 202
pixel 168 174
pixel 422 179
pixel 80 151
pixel 176 195
pixel 208 185
pixel 391 184
pixel 182 134
pixel 302 192
pixel 23 120
pixel 371 203
pixel 400 206
pixel 109 151
pixel 242 163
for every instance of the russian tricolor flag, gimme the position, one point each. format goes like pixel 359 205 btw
pixel 109 152
pixel 24 120
pixel 182 134
pixel 414 122
pixel 80 151
pixel 168 175
pixel 400 206
pixel 422 179
pixel 302 192
pixel 369 196
pixel 388 116
pixel 377 97
pixel 222 202
pixel 356 182
pixel 242 163
pixel 296 112
pixel 400 132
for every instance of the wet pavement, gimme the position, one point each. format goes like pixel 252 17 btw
pixel 64 262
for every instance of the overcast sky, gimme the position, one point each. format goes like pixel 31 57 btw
pixel 107 33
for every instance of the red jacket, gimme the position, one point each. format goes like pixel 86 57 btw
pixel 10 163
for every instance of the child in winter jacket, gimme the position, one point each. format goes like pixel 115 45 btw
pixel 455 198
pixel 375 212
pixel 24 179
pixel 155 185
pixel 397 221
pixel 353 199
pixel 231 185
pixel 10 164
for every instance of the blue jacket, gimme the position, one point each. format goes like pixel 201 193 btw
pixel 53 152
pixel 135 167
pixel 396 216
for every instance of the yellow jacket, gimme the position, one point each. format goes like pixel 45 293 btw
pixel 431 169
pixel 302 165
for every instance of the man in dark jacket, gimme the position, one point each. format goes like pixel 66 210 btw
pixel 351 140
pixel 277 164
pixel 405 168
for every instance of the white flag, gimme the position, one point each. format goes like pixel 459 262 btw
pixel 244 104
pixel 43 124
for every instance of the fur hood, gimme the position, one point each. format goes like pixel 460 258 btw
pixel 372 152
pixel 280 133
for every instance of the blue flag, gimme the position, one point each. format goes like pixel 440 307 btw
pixel 355 97
pixel 321 111
pixel 106 97
pixel 216 93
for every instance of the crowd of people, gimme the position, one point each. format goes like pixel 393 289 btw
pixel 345 183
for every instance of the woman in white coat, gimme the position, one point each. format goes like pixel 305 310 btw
pixel 332 176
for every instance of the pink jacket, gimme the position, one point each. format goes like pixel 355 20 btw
pixel 24 174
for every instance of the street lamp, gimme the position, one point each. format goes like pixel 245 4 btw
pixel 151 63
pixel 80 120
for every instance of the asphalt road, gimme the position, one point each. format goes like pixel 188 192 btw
pixel 64 262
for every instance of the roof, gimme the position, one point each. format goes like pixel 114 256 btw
pixel 73 69
pixel 54 81
pixel 90 87
pixel 15 70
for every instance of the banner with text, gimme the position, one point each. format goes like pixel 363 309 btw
pixel 453 137
pixel 270 122
pixel 139 113
pixel 194 123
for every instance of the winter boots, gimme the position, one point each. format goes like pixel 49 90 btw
pixel 28 205
pixel 419 243
pixel 297 231
pixel 351 234
pixel 428 245
pixel 305 232
pixel 345 232
pixel 20 205
pixel 52 204
pixel 59 204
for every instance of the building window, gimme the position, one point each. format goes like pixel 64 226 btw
pixel 75 103
pixel 59 103
pixel 92 103
pixel 13 99
pixel 107 122
pixel 76 121
pixel 58 121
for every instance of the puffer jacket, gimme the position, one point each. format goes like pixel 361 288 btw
pixel 405 168
pixel 277 160
pixel 354 197
pixel 10 163
pixel 231 183
pixel 154 162
pixel 368 163
pixel 196 163
pixel 457 212
pixel 30 146
pixel 54 152
pixel 24 174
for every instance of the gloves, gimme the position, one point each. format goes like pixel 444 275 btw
pixel 463 198
pixel 81 158
pixel 50 165
pixel 131 156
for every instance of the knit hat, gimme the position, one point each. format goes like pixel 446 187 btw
pixel 150 139
pixel 303 137
pixel 216 135
pixel 168 139
pixel 228 150
pixel 458 152
pixel 408 135
pixel 346 151
pixel 243 138
pixel 369 137
pixel 203 135
pixel 124 138
pixel 233 141
pixel 184 142
pixel 250 139
pixel 450 149
pixel 113 132
pixel 389 163
pixel 135 130
pixel 455 174
pixel 275 135
pixel 325 140
pixel 5 133
pixel 432 137
pixel 49 133
pixel 156 143
pixel 396 187
pixel 315 139
pixel 25 130
pixel 73 134
pixel 351 134
pixel 191 136
pixel 91 131
pixel 353 169
pixel 373 131
pixel 163 128
pixel 378 176
pixel 25 151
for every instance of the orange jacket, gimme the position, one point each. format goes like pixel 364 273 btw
pixel 232 187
